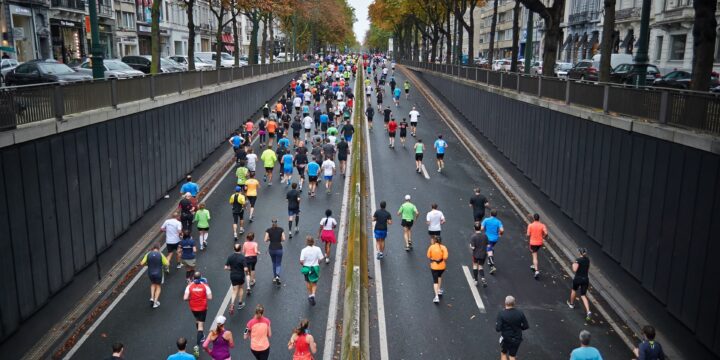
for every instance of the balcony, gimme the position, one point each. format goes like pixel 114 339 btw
pixel 77 5
pixel 584 17
pixel 105 11
pixel 628 14
pixel 676 15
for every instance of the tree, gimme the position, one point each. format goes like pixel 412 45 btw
pixel 516 37
pixel 189 7
pixel 703 43
pixel 469 26
pixel 553 16
pixel 220 9
pixel 607 40
pixel 155 35
pixel 493 27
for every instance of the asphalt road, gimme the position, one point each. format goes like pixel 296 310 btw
pixel 457 328
pixel 151 333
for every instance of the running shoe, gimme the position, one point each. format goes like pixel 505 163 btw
pixel 327 259
pixel 252 283
pixel 179 266
pixel 588 316
pixel 570 305
pixel 436 299
pixel 205 244
pixel 196 351
pixel 441 292
pixel 493 270
pixel 532 268
pixel 484 283
pixel 407 248
pixel 277 280
pixel 241 305
pixel 476 282
pixel 156 305
pixel 242 230
pixel 537 275
pixel 152 303
pixel 291 234
pixel 378 256
pixel 251 219
pixel 297 229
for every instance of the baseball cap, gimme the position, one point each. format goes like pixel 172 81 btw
pixel 220 320
pixel 238 188
pixel 407 197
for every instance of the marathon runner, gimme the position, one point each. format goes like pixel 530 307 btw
pixel 343 150
pixel 397 93
pixel 307 124
pixel 271 127
pixel 156 263
pixel 370 114
pixel 478 245
pixel 275 236
pixel 328 167
pixel 326 233
pixel 414 114
pixel 237 200
pixel 188 250
pixel 173 229
pixel 287 166
pixel 478 203
pixel 235 263
pixel 408 213
pixel 310 257
pixel 391 127
pixel 419 151
pixel 197 294
pixel 382 219
pixel 202 218
pixel 250 250
pixel 252 186
pixel 440 146
pixel 434 219
pixel 387 115
pixel 536 234
pixel 493 228
pixel 189 187
pixel 438 255
pixel 293 200
pixel 268 158
pixel 403 131
pixel 301 161
pixel 313 172
pixel 581 282
pixel 406 85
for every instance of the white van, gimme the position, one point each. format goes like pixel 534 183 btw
pixel 615 60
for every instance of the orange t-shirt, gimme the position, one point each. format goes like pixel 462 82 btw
pixel 252 187
pixel 437 252
pixel 249 126
pixel 537 232
pixel 259 331
pixel 271 126
pixel 278 107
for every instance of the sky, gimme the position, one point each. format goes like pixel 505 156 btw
pixel 361 13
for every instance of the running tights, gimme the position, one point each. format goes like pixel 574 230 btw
pixel 276 257
pixel 261 355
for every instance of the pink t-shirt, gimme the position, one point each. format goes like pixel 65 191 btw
pixel 250 248
pixel 259 330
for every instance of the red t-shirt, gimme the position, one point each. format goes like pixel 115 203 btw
pixel 392 126
pixel 197 294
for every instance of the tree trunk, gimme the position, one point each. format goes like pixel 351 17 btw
pixel 703 43
pixel 448 38
pixel 190 5
pixel 553 35
pixel 434 48
pixel 236 53
pixel 516 37
pixel 607 40
pixel 471 35
pixel 271 34
pixel 416 48
pixel 459 41
pixel 493 28
pixel 263 51
pixel 155 35
pixel 255 21
pixel 218 44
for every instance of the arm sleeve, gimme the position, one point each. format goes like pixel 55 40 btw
pixel 165 261
pixel 144 260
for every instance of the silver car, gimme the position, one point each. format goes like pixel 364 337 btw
pixel 114 69
pixel 5 67
pixel 200 64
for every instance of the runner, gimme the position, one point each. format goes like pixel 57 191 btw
pixel 271 127
pixel 287 166
pixel 249 126
pixel 259 331
pixel 235 263
pixel 326 233
pixel 581 282
pixel 397 93
pixel 197 294
pixel 379 97
pixel 493 228
pixel 440 146
pixel 392 84
pixel 187 211
pixel 310 257
pixel 236 141
pixel 173 229
pixel 237 200
pixel 387 115
pixel 434 219
pixel 419 150
pixel 328 167
pixel 262 131
pixel 242 174
pixel 478 203
pixel 347 130
pixel 649 348
pixel 302 343
pixel 510 323
pixel 324 119
pixel 313 169
pixel 300 162
pixel 189 187
pixel 307 123
pixel 251 161
pixel 478 245
pixel 408 213
pixel 391 128
pixel 297 127
pixel 343 150
pixel 438 255
pixel 275 236
pixel 585 351
pixel 181 354
pixel 370 114
pixel 414 114
pixel 188 250
pixel 156 263
pixel 406 85
pixel 332 133
pixel 293 201
pixel 403 131
pixel 250 250
pixel 221 339
pixel 536 234
pixel 382 219
pixel 268 158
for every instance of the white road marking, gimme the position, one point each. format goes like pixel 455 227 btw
pixel 223 306
pixel 473 289
pixel 424 171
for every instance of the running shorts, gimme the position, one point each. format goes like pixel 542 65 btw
pixel 397 97
pixel 407 223
pixel 509 347
pixel 328 236
pixel 301 170
pixel 440 156
pixel 307 131
pixel 380 234
pixel 478 216
pixel 342 157
pixel 348 138
pixel 250 262
pixel 403 133
pixel 407 91
pixel 293 212
pixel 323 126
pixel 287 170
pixel 171 248
pixel 580 285
pixel 296 135
pixel 437 274
pixel 313 179
pixel 200 315
pixel 391 134
pixel 156 279
pixel 418 156
pixel 237 280
pixel 435 233
pixel 271 135
pixel 480 261
pixel 490 246
pixel 188 262
pixel 252 200
pixel 328 177
pixel 413 123
pixel 535 248
pixel 203 229
pixel 238 216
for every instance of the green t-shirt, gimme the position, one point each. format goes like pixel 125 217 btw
pixel 419 148
pixel 407 211
pixel 332 131
pixel 202 218
pixel 407 86
pixel 241 173
pixel 268 158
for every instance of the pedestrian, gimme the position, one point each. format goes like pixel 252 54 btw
pixel 347 131
pixel 301 343
pixel 536 234
pixel 478 245
pixel 188 249
pixel 493 228
pixel 440 146
pixel 382 219
pixel 328 167
pixel 510 323
pixel 197 294
pixel 379 97
pixel 438 255
pixel 221 340
pixel 189 187
pixel 242 173
pixel 649 349
pixel 300 162
pixel 419 152
pixel 117 351
pixel 414 114
pixel 275 236
pixel 237 201
pixel 287 161
pixel 387 115
pixel 268 158
pixel 585 351
pixel 250 250
pixel 434 219
pixel 581 282
pixel 259 331
pixel 251 186
pixel 408 213
pixel 406 85
pixel 172 228
pixel 236 141
pixel 202 218
pixel 370 114
pixel 397 93
pixel 310 257
pixel 236 264
pixel 313 169
pixel 391 127
pixel 262 131
pixel 293 202
pixel 403 131
pixel 187 211
pixel 181 354
pixel 249 126
pixel 156 264
pixel 326 233
pixel 307 123
pixel 478 203
pixel 343 150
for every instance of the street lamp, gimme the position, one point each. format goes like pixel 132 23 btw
pixel 641 57
pixel 98 69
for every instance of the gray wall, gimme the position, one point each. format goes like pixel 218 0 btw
pixel 65 198
pixel 651 204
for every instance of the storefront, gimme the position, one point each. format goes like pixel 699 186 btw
pixel 68 40
pixel 28 31
pixel 144 40
pixel 126 45
pixel 106 40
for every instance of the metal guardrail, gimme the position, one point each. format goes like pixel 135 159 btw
pixel 682 108
pixel 27 104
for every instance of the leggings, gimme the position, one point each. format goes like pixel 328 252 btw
pixel 276 257
pixel 262 136
pixel 261 355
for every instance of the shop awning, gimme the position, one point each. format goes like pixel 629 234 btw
pixel 228 42
pixel 7 49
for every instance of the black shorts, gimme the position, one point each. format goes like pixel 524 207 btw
pixel 323 126
pixel 391 134
pixel 407 223
pixel 386 120
pixel 252 200
pixel 478 216
pixel 307 131
pixel 509 347
pixel 440 156
pixel 271 135
pixel 480 260
pixel 313 179
pixel 535 248
pixel 268 169
pixel 301 170
pixel 250 262
pixel 407 91
pixel 418 156
pixel 156 279
pixel 403 133
pixel 203 229
pixel 437 274
pixel 238 216
pixel 296 135
pixel 342 157
pixel 237 280
pixel 200 315
pixel 171 248
pixel 580 286
pixel 434 233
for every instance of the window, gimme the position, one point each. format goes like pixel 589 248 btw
pixel 118 16
pixel 677 47
pixel 128 20
pixel 658 47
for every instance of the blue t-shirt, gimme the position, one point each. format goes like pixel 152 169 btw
pixel 190 187
pixel 324 118
pixel 397 92
pixel 187 248
pixel 181 356
pixel 298 89
pixel 284 142
pixel 313 168
pixel 287 160
pixel 237 141
pixel 306 109
pixel 585 353
pixel 492 227
pixel 440 146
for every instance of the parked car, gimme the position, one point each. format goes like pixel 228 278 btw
pixel 43 71
pixel 626 73
pixel 6 65
pixel 680 79
pixel 615 60
pixel 199 63
pixel 536 68
pixel 142 63
pixel 114 69
pixel 226 60
pixel 501 65
pixel 583 70
pixel 562 68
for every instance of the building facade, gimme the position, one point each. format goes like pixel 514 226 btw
pixel 25 27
